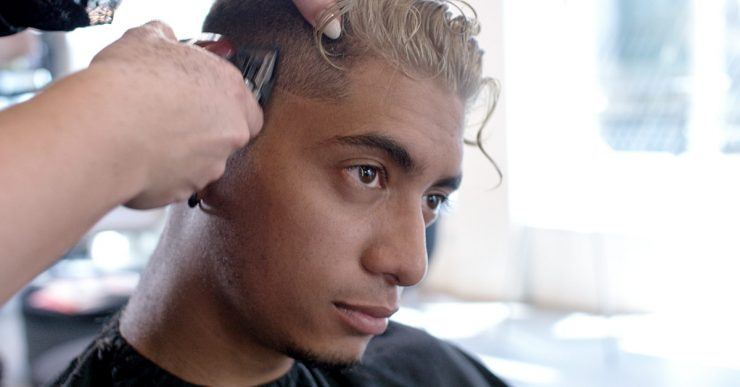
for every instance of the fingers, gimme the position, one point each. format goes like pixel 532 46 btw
pixel 251 115
pixel 155 29
pixel 255 118
pixel 161 28
pixel 188 102
pixel 312 9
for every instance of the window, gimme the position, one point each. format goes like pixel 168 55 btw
pixel 732 62
pixel 623 123
pixel 645 65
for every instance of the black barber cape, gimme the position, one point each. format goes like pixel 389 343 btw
pixel 402 356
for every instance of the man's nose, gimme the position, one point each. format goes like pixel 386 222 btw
pixel 399 249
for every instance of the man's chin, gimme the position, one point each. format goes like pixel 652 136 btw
pixel 333 361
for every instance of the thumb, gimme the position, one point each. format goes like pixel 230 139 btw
pixel 312 9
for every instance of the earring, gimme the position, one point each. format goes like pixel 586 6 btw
pixel 194 200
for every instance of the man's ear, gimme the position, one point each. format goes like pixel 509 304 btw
pixel 209 201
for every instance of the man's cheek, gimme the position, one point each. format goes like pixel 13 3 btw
pixel 334 233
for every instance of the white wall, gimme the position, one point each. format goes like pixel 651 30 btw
pixel 472 254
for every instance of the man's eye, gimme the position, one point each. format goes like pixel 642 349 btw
pixel 367 175
pixel 435 201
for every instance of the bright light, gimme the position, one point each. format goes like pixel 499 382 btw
pixel 185 18
pixel 693 337
pixel 519 371
pixel 110 251
pixel 454 320
pixel 581 326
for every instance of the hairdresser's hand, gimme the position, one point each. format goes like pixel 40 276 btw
pixel 312 9
pixel 178 110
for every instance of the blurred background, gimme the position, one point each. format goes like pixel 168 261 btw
pixel 609 256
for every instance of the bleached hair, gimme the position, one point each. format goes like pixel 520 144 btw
pixel 425 39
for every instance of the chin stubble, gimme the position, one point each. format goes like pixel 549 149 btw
pixel 331 362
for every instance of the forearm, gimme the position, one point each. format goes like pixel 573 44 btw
pixel 61 169
pixel 148 123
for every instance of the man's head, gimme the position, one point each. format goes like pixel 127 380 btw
pixel 319 223
pixel 422 39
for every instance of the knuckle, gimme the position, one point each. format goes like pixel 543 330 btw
pixel 242 138
pixel 160 28
pixel 135 32
pixel 177 196
pixel 156 25
pixel 184 195
pixel 234 78
pixel 238 138
pixel 255 117
pixel 217 172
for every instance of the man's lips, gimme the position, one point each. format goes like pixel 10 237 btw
pixel 365 319
pixel 373 311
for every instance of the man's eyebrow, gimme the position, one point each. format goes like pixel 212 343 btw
pixel 391 147
pixel 452 183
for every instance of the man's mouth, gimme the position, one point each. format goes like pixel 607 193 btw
pixel 365 319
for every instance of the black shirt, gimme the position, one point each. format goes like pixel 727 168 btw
pixel 402 356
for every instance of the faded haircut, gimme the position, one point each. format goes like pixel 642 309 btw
pixel 424 39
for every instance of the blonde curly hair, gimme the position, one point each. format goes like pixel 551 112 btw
pixel 425 39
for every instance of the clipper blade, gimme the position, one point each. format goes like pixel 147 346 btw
pixel 259 69
pixel 258 65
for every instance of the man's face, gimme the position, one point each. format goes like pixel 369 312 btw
pixel 322 221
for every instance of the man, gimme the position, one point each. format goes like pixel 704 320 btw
pixel 297 256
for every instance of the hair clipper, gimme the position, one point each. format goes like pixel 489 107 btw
pixel 258 66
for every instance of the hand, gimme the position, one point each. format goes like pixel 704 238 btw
pixel 180 110
pixel 311 10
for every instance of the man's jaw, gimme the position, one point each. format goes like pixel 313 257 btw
pixel 333 362
pixel 362 320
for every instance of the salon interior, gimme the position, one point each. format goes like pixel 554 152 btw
pixel 607 256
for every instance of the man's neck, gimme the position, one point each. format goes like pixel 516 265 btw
pixel 173 321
